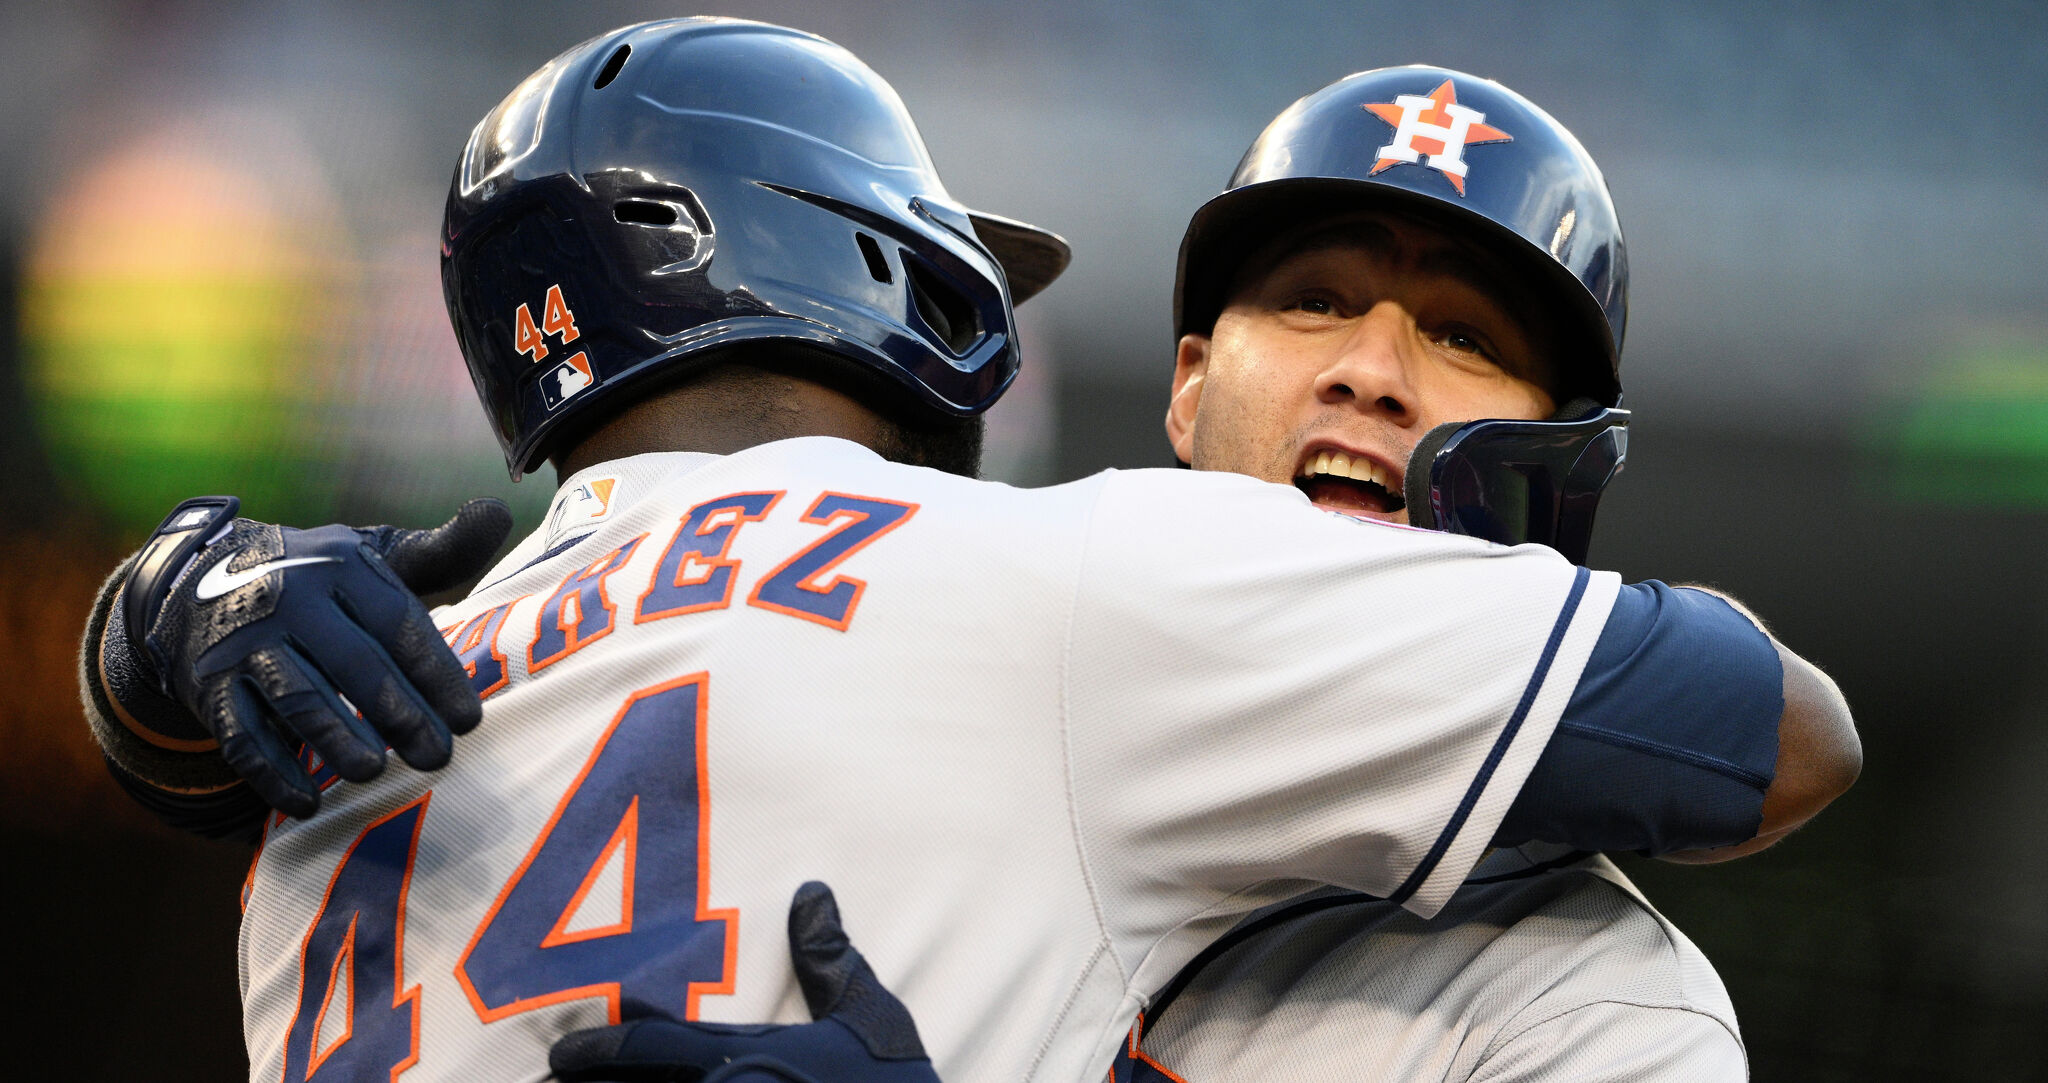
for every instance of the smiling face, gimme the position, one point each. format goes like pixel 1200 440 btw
pixel 1341 345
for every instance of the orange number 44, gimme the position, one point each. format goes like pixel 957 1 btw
pixel 526 338
pixel 555 319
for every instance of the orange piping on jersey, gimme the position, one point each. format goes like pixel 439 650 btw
pixel 400 996
pixel 173 744
pixel 729 915
pixel 810 582
pixel 710 562
pixel 313 764
pixel 610 990
pixel 628 836
pixel 270 820
pixel 1137 1031
pixel 343 956
pixel 598 571
pixel 412 995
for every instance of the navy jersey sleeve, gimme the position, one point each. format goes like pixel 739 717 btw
pixel 1671 737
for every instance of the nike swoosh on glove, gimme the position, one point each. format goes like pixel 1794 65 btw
pixel 861 1033
pixel 271 636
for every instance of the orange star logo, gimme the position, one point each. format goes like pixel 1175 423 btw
pixel 1436 126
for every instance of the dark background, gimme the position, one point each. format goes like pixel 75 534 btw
pixel 217 274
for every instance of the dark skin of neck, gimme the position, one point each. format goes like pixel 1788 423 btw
pixel 727 410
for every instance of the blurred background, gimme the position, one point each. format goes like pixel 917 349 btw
pixel 218 272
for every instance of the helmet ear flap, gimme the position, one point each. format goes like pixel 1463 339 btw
pixel 1417 486
pixel 1511 481
pixel 950 315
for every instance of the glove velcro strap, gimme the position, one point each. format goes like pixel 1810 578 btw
pixel 190 527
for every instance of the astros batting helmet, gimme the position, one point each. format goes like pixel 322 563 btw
pixel 1478 160
pixel 674 187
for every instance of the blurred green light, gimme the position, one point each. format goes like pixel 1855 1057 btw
pixel 170 320
pixel 149 390
pixel 1977 433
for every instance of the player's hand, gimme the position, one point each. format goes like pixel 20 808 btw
pixel 271 636
pixel 862 1033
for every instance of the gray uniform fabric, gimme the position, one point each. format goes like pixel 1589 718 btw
pixel 1543 967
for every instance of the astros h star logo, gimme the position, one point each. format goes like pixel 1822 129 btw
pixel 1436 126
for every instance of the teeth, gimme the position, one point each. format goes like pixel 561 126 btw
pixel 1342 465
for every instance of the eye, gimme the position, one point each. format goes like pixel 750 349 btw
pixel 1466 340
pixel 1314 304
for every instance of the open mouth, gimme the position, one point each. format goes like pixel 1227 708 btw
pixel 1334 479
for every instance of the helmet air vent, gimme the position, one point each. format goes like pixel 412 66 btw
pixel 611 68
pixel 645 212
pixel 950 316
pixel 878 268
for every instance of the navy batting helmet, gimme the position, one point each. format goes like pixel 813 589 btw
pixel 674 187
pixel 1476 159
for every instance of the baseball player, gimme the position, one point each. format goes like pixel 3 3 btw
pixel 1336 294
pixel 1548 964
pixel 705 268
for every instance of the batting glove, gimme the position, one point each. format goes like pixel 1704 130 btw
pixel 271 636
pixel 861 1033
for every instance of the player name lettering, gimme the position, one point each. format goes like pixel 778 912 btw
pixel 693 574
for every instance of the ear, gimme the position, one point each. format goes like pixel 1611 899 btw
pixel 1190 365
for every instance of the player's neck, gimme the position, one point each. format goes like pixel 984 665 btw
pixel 730 410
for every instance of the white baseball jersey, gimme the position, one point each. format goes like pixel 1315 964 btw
pixel 1008 727
pixel 1541 969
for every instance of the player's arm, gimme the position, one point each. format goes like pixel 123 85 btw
pixel 1368 706
pixel 1717 740
pixel 1819 752
pixel 224 646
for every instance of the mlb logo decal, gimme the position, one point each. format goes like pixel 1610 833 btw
pixel 1433 131
pixel 587 502
pixel 562 382
pixel 580 508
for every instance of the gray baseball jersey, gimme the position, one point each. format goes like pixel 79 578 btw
pixel 1547 966
pixel 1007 726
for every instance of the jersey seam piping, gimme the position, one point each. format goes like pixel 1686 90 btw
pixel 1501 744
pixel 1067 736
pixel 1103 944
pixel 1684 1004
pixel 1660 750
pixel 551 553
pixel 1679 999
pixel 1067 1006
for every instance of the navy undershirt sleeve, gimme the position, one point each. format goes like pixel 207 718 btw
pixel 1671 737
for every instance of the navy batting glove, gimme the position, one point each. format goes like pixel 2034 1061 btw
pixel 271 636
pixel 861 1033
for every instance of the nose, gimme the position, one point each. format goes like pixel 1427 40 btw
pixel 1370 369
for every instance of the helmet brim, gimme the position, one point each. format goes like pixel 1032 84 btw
pixel 1031 257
